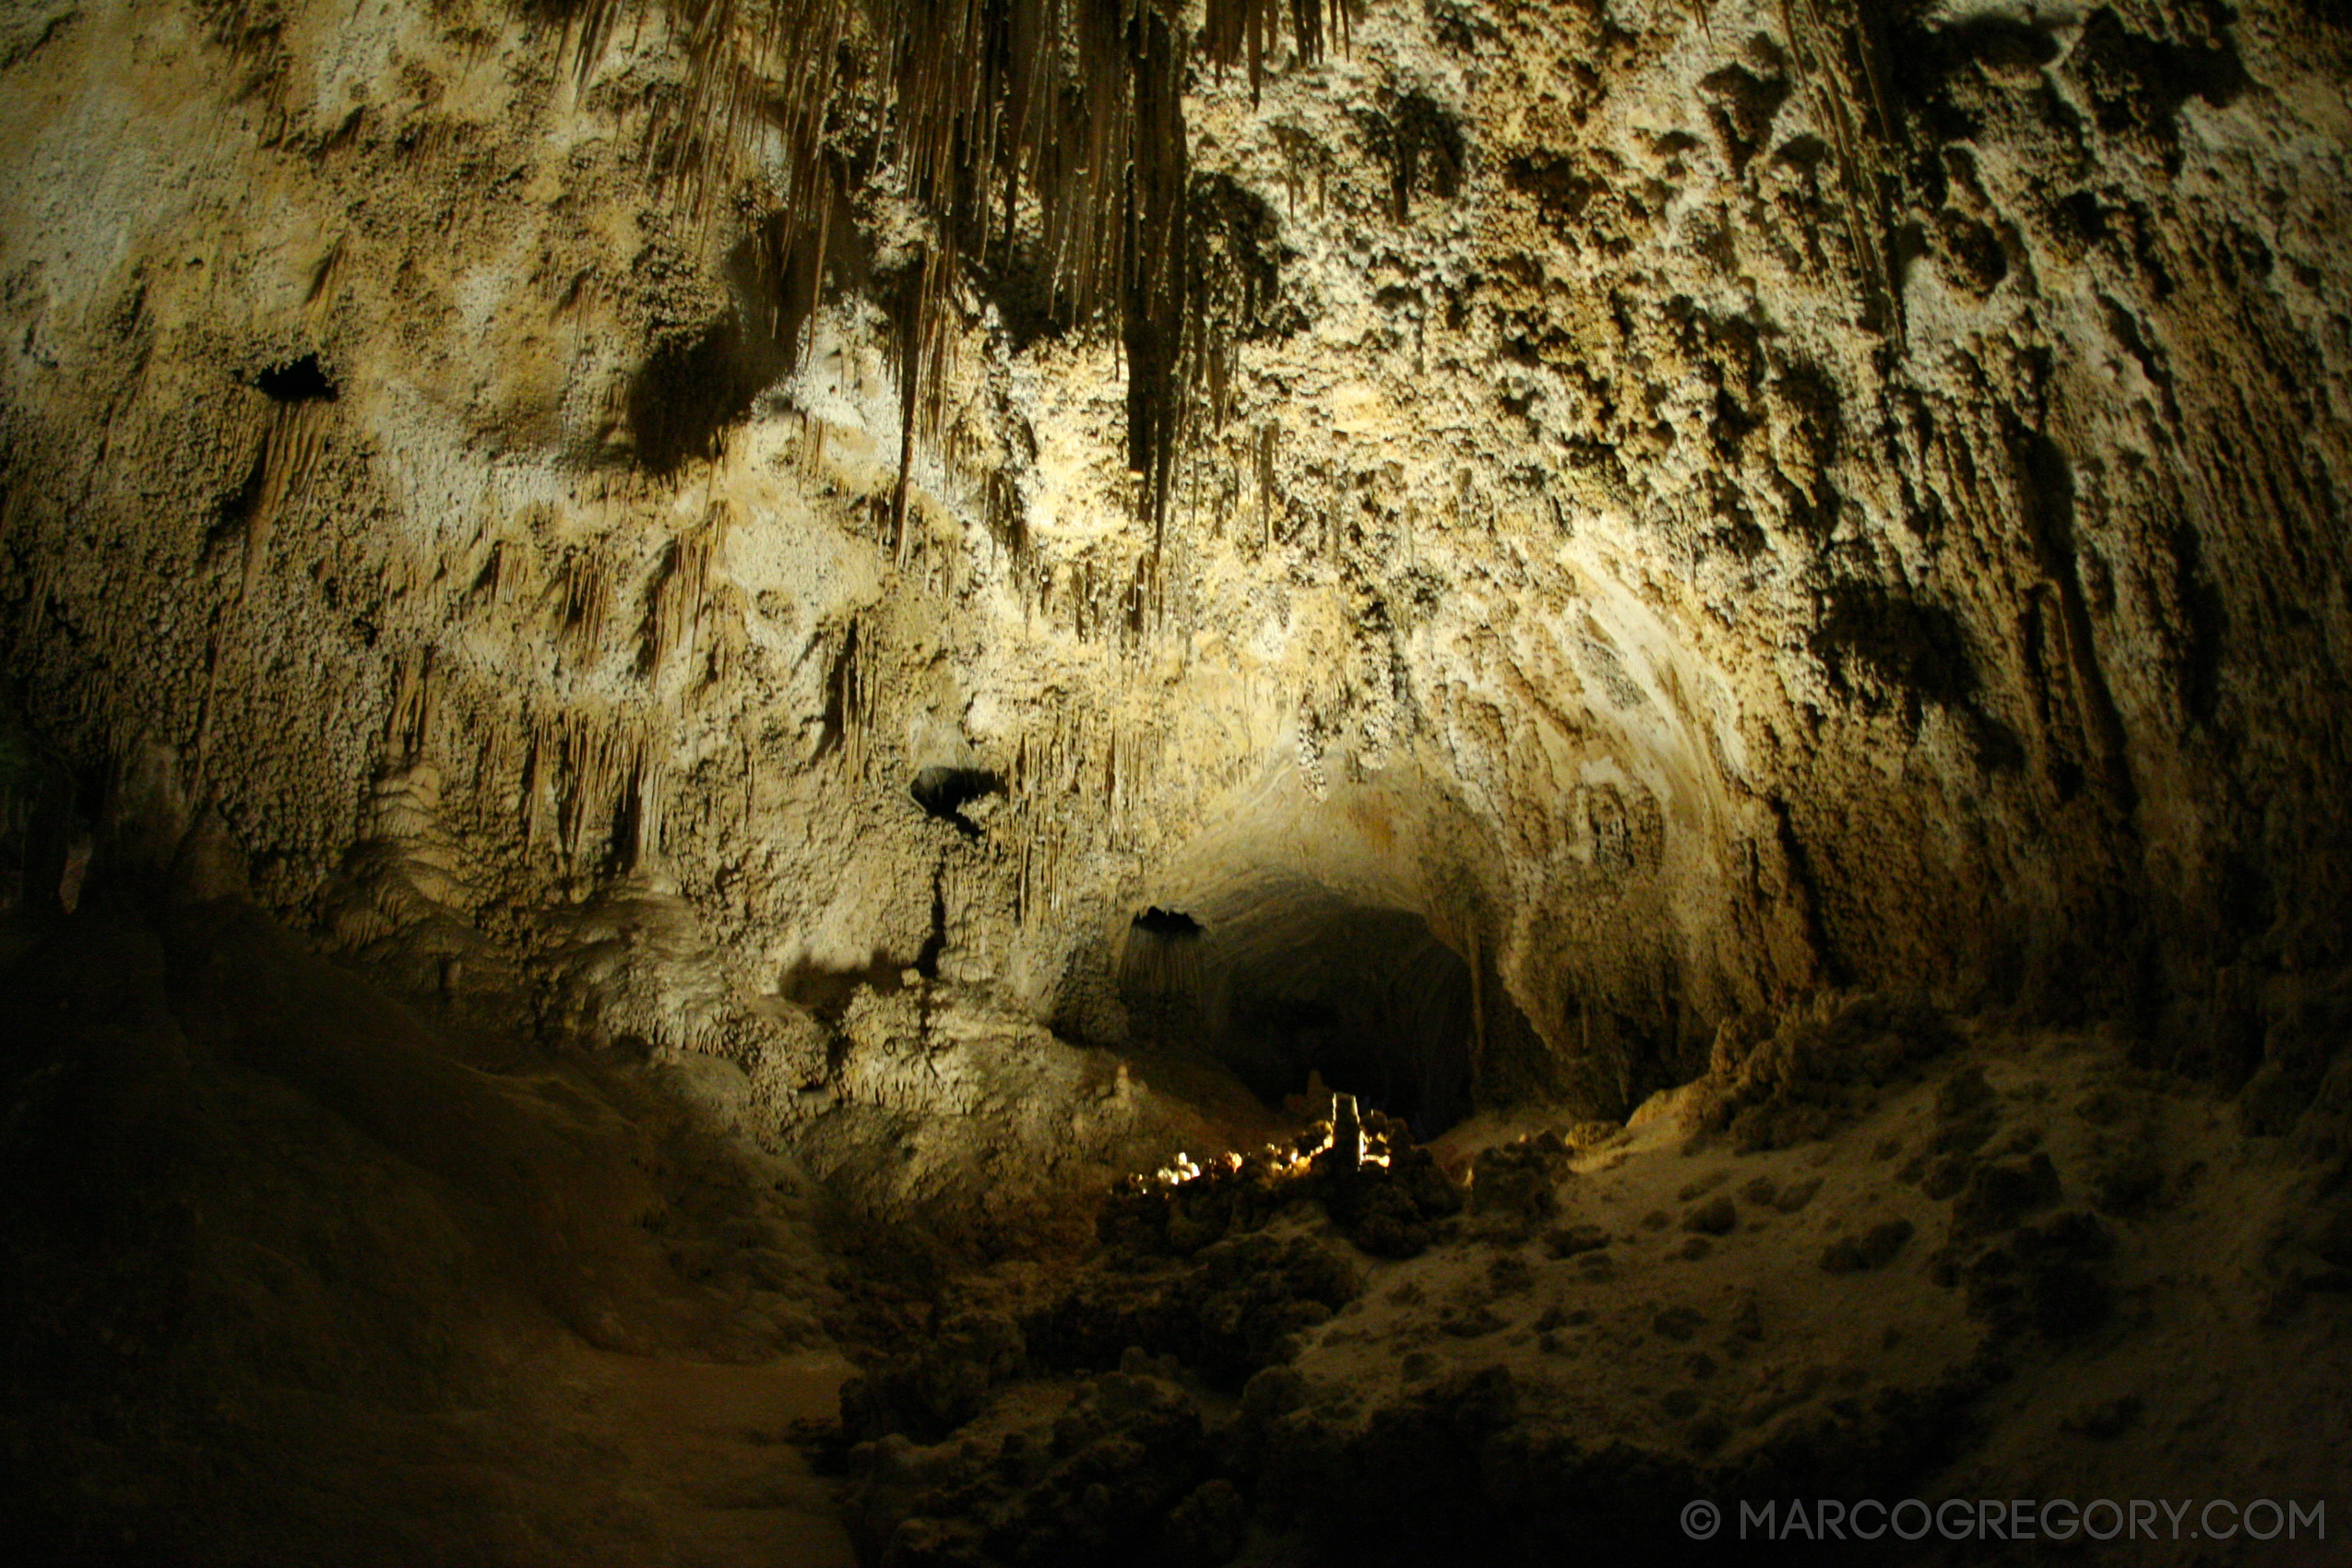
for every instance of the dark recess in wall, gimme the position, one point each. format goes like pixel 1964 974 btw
pixel 1166 923
pixel 694 386
pixel 1372 1001
pixel 1423 146
pixel 943 793
pixel 303 380
pixel 1236 259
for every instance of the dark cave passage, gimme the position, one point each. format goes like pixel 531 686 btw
pixel 1287 982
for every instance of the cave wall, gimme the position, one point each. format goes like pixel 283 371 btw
pixel 1692 513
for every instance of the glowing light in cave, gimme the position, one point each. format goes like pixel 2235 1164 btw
pixel 1282 1161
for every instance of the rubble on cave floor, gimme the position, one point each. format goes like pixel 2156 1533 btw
pixel 1949 1262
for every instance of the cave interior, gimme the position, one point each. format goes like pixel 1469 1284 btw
pixel 1175 783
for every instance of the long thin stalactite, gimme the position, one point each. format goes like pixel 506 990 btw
pixel 1056 125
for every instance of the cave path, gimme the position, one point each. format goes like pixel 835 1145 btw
pixel 703 1449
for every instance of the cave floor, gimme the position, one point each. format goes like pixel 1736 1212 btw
pixel 290 1283
pixel 691 1461
pixel 293 1281
pixel 2017 1268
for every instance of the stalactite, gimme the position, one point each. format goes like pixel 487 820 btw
pixel 1415 131
pixel 409 717
pixel 580 769
pixel 750 64
pixel 1111 759
pixel 491 739
pixel 583 602
pixel 1266 435
pixel 1817 48
pixel 323 279
pixel 845 701
pixel 683 595
pixel 597 768
pixel 1077 102
pixel 1007 522
pixel 1157 290
pixel 290 450
pixel 1246 31
pixel 289 447
pixel 490 581
pixel 638 818
pixel 539 762
pixel 810 458
pixel 923 350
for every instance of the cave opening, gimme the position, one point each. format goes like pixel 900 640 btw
pixel 1300 987
pixel 1371 1002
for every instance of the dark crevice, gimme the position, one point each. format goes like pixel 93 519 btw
pixel 2205 624
pixel 301 380
pixel 935 940
pixel 1742 106
pixel 228 529
pixel 2047 491
pixel 1166 923
pixel 943 793
pixel 1423 146
pixel 841 695
pixel 826 991
pixel 694 386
